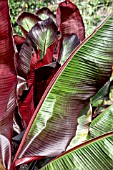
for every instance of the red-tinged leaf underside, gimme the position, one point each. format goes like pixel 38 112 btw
pixel 69 20
pixel 45 13
pixel 87 69
pixel 7 80
pixel 26 21
pixel 18 40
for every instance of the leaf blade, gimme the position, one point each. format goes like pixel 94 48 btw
pixel 92 155
pixel 69 20
pixel 26 21
pixel 68 96
pixel 7 83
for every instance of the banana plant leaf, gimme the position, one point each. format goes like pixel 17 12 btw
pixel 43 76
pixel 7 84
pixel 103 123
pixel 45 13
pixel 86 116
pixel 18 40
pixel 69 20
pixel 36 51
pixel 92 155
pixel 68 45
pixel 55 120
pixel 82 132
pixel 39 39
pixel 26 21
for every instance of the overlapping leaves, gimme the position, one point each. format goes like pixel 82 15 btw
pixel 103 123
pixel 41 47
pixel 92 155
pixel 57 116
pixel 76 82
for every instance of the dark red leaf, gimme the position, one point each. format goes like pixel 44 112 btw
pixel 18 40
pixel 69 20
pixel 26 101
pixel 26 106
pixel 7 84
pixel 43 76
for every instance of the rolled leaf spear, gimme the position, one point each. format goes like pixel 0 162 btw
pixel 8 83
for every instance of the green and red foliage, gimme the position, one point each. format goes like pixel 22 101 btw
pixel 47 79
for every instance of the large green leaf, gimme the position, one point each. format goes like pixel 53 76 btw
pixel 96 154
pixel 103 123
pixel 100 95
pixel 83 74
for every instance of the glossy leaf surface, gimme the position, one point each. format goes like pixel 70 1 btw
pixel 83 74
pixel 92 155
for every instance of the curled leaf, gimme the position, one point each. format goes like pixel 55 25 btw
pixel 69 20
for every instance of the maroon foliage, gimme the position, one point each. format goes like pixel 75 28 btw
pixel 18 40
pixel 37 51
pixel 37 61
pixel 43 76
pixel 69 20
pixel 7 84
